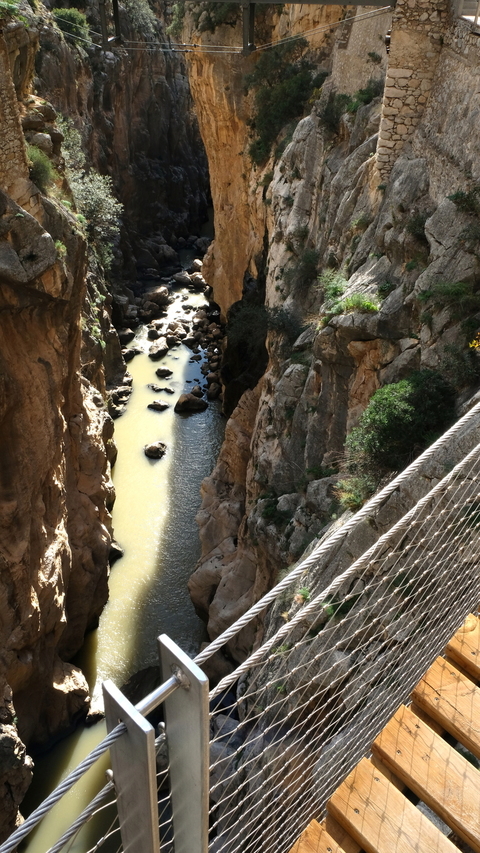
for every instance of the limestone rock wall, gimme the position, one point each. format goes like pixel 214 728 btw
pixel 389 235
pixel 135 114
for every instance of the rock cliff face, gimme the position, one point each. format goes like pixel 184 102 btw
pixel 332 212
pixel 134 113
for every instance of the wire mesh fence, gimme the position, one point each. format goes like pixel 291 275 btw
pixel 300 713
pixel 289 723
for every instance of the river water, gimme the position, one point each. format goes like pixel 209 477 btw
pixel 154 521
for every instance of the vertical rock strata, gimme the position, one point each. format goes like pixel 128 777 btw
pixel 368 198
pixel 55 486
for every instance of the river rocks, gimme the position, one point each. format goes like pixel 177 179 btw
pixel 158 350
pixel 214 391
pixel 158 406
pixel 153 334
pixel 159 295
pixel 189 403
pixel 197 391
pixel 155 450
pixel 163 372
pixel 197 265
pixel 125 336
pixel 182 278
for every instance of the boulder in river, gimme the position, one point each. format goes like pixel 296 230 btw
pixel 163 372
pixel 125 336
pixel 158 295
pixel 190 403
pixel 214 391
pixel 182 278
pixel 197 391
pixel 158 350
pixel 155 450
pixel 153 334
pixel 158 406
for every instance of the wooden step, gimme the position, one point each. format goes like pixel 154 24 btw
pixel 464 647
pixel 453 701
pixel 327 837
pixel 380 818
pixel 434 771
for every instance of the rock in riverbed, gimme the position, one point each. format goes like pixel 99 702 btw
pixel 158 406
pixel 155 450
pixel 158 349
pixel 189 403
pixel 163 372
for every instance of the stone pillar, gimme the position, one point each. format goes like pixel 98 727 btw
pixel 416 40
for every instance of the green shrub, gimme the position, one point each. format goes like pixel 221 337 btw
pixel 208 16
pixel 469 201
pixel 460 366
pixel 8 8
pixel 246 327
pixel 333 111
pixel 333 284
pixel 176 26
pixel 276 516
pixel 72 23
pixel 42 172
pixel 352 492
pixel 374 57
pixel 416 225
pixel 285 322
pixel 385 288
pixel 461 297
pixel 304 272
pixel 141 16
pixel 364 96
pixel 358 302
pixel 95 201
pixel 282 82
pixel 400 421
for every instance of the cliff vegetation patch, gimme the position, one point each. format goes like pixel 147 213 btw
pixel 283 81
pixel 72 22
pixel 400 421
pixel 99 211
pixel 208 16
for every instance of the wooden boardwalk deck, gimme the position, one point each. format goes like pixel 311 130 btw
pixel 413 759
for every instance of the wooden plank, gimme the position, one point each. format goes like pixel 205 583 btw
pixel 380 818
pixel 426 718
pixel 453 701
pixel 464 647
pixel 434 771
pixel 316 839
pixel 340 835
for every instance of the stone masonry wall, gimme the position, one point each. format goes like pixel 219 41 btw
pixel 418 31
pixel 14 171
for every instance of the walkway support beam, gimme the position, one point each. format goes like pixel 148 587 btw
pixel 187 731
pixel 134 773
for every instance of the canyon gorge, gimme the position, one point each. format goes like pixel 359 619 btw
pixel 340 161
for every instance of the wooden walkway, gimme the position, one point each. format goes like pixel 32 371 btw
pixel 372 810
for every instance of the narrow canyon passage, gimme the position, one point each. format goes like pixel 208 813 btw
pixel 154 521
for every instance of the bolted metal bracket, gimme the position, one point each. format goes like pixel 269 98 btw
pixel 187 729
pixel 134 773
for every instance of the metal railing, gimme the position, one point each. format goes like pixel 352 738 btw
pixel 246 766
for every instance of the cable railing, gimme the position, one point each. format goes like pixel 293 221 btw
pixel 246 766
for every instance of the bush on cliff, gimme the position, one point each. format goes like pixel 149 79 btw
pixel 283 82
pixel 400 421
pixel 72 23
pixel 41 168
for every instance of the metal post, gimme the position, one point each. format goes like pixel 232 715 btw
pixel 187 730
pixel 134 773
pixel 248 28
pixel 116 19
pixel 103 24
